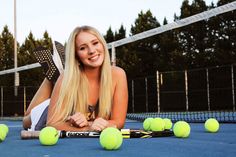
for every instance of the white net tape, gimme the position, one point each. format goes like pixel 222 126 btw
pixel 180 23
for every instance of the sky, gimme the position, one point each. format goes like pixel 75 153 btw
pixel 60 17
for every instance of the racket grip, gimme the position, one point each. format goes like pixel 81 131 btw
pixel 29 134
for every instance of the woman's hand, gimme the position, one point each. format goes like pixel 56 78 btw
pixel 78 120
pixel 99 124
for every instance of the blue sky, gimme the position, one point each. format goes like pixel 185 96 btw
pixel 60 17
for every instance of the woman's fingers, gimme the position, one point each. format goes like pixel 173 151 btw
pixel 99 124
pixel 78 120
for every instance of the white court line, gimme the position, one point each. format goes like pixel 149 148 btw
pixel 14 126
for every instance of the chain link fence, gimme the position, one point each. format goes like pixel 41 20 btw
pixel 208 89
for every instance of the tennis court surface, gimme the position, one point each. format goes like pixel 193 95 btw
pixel 199 143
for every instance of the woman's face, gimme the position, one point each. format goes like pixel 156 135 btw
pixel 89 50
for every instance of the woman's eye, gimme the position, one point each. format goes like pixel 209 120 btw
pixel 95 43
pixel 81 48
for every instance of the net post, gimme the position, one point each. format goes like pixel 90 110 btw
pixel 1 101
pixel 16 83
pixel 208 91
pixel 186 88
pixel 15 51
pixel 146 93
pixel 232 79
pixel 132 84
pixel 24 99
pixel 158 92
pixel 113 54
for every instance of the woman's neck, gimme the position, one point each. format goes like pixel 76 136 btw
pixel 93 74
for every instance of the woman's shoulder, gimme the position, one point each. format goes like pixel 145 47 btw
pixel 118 72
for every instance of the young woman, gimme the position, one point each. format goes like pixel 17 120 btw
pixel 90 94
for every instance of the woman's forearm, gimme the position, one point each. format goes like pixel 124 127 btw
pixel 66 126
pixel 26 121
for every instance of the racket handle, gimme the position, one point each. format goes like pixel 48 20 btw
pixel 136 133
pixel 29 134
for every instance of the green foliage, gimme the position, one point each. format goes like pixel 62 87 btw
pixel 120 34
pixel 25 56
pixel 206 43
pixel 148 50
pixel 35 76
pixel 109 37
pixel 7 55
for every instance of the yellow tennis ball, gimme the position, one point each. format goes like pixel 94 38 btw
pixel 157 124
pixel 48 136
pixel 181 129
pixel 212 125
pixel 147 124
pixel 111 138
pixel 168 123
pixel 3 135
pixel 4 127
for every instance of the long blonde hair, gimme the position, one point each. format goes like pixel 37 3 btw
pixel 73 93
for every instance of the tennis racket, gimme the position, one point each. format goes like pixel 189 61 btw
pixel 126 133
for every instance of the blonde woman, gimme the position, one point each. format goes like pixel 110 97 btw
pixel 90 94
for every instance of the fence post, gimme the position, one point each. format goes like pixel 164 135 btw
pixel 233 94
pixel 186 88
pixel 132 84
pixel 208 91
pixel 158 93
pixel 1 101
pixel 146 93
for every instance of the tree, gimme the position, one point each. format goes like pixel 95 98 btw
pixel 125 57
pixel 7 56
pixel 26 56
pixel 109 37
pixel 225 46
pixel 26 50
pixel 193 43
pixel 46 41
pixel 120 34
pixel 148 50
pixel 168 50
pixel 7 40
pixel 1 54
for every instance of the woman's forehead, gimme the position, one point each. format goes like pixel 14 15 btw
pixel 84 37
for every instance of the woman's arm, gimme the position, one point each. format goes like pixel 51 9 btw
pixel 52 117
pixel 120 98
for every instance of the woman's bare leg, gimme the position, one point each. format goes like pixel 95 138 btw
pixel 43 93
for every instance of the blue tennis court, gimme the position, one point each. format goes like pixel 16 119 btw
pixel 199 143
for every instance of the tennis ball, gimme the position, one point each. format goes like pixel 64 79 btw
pixel 157 124
pixel 48 136
pixel 111 138
pixel 147 124
pixel 4 127
pixel 212 125
pixel 181 129
pixel 3 135
pixel 168 123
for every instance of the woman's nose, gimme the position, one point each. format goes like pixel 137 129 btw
pixel 91 50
